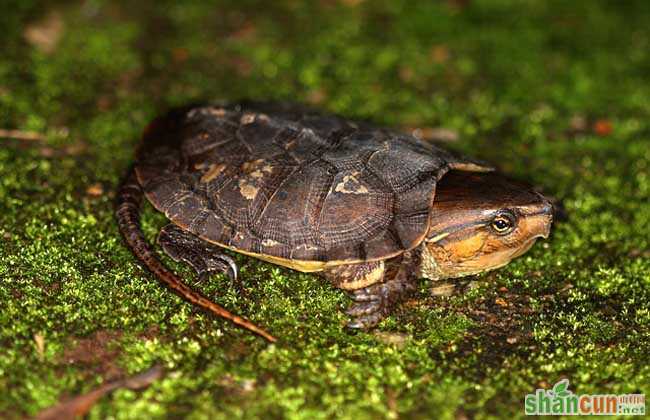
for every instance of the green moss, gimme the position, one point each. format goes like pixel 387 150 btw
pixel 515 81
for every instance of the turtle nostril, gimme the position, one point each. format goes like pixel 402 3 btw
pixel 549 208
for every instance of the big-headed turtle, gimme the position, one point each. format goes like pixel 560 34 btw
pixel 369 209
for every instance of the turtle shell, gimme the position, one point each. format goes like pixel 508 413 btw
pixel 290 186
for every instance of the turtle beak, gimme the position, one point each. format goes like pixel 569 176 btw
pixel 539 218
pixel 546 215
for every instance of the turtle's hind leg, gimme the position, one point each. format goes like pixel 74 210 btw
pixel 127 210
pixel 203 257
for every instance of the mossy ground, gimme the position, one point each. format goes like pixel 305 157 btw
pixel 554 92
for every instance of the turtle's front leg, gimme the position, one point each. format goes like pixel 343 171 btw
pixel 374 289
pixel 202 256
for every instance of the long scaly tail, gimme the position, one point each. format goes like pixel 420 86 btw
pixel 128 217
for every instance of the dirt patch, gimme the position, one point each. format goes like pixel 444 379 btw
pixel 501 330
pixel 97 353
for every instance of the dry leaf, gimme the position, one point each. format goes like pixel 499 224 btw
pixel 95 190
pixel 316 96
pixel 180 55
pixel 443 289
pixel 21 135
pixel 439 54
pixel 578 123
pixel 437 134
pixel 603 128
pixel 46 33
pixel 351 3
pixel 501 302
pixel 39 340
pixel 396 339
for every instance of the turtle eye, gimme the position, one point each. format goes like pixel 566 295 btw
pixel 503 223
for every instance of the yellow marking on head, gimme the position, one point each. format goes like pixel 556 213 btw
pixel 478 250
pixel 438 237
pixel 466 248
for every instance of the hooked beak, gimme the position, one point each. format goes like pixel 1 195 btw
pixel 546 216
pixel 539 219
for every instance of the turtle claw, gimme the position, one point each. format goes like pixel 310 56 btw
pixel 363 295
pixel 204 258
pixel 355 325
pixel 367 321
pixel 372 304
pixel 231 271
pixel 363 308
pixel 216 262
pixel 369 306
pixel 203 277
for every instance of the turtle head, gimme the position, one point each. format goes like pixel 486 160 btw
pixel 481 221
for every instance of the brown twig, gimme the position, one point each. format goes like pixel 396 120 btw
pixel 21 135
pixel 80 405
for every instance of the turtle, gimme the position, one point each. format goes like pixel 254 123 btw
pixel 370 209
